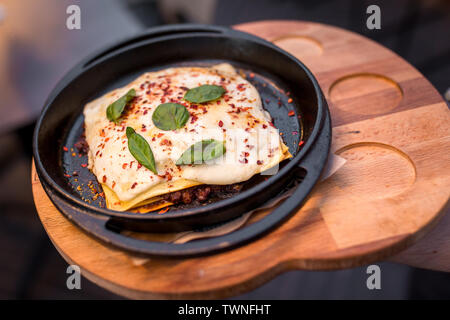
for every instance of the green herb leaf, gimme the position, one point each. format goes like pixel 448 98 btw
pixel 202 151
pixel 170 116
pixel 115 109
pixel 140 150
pixel 204 93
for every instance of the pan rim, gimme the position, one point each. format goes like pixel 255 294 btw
pixel 191 212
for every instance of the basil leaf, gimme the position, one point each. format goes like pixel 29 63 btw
pixel 204 93
pixel 170 116
pixel 202 151
pixel 115 109
pixel 213 150
pixel 140 150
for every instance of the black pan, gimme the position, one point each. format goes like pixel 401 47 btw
pixel 277 75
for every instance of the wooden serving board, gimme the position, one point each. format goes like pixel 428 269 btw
pixel 388 122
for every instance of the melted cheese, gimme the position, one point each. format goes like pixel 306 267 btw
pixel 252 144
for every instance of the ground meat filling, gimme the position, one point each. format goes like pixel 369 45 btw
pixel 82 145
pixel 202 193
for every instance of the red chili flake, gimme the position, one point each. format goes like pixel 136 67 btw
pixel 264 126
pixel 139 165
pixel 259 162
pixel 193 118
pixel 145 112
pixel 107 139
pixel 244 160
pixel 65 149
pixel 291 113
pixel 124 166
pixel 165 142
pixel 113 184
pixel 301 143
pixel 246 154
pixel 102 133
pixel 294 133
pixel 104 179
pixel 160 134
pixel 290 100
pixel 134 185
pixel 220 123
pixel 240 87
pixel 163 210
pixel 84 165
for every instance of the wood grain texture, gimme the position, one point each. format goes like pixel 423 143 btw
pixel 388 122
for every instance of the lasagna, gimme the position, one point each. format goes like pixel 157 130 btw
pixel 178 129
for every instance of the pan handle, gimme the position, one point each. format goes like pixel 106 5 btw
pixel 100 226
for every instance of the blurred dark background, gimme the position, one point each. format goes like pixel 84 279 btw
pixel 36 49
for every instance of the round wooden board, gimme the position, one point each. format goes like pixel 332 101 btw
pixel 388 122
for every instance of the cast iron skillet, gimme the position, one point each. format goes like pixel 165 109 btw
pixel 278 77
